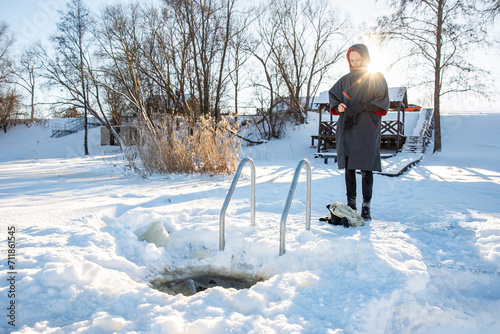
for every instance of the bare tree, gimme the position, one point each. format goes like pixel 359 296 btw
pixel 296 41
pixel 117 106
pixel 492 7
pixel 228 34
pixel 180 57
pixel 208 26
pixel 6 41
pixel 238 56
pixel 9 98
pixel 437 35
pixel 27 76
pixel 10 104
pixel 119 38
pixel 271 123
pixel 68 67
pixel 167 58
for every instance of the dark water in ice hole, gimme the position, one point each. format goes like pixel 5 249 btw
pixel 190 285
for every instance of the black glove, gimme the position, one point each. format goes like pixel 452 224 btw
pixel 352 115
pixel 355 109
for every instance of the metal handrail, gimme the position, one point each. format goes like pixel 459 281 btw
pixel 222 223
pixel 288 203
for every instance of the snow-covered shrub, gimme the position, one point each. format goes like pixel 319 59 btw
pixel 272 124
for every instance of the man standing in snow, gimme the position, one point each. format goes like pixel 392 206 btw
pixel 361 98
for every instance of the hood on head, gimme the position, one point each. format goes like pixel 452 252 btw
pixel 363 51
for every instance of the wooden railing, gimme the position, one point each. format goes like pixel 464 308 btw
pixel 391 131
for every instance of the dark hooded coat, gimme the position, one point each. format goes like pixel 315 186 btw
pixel 358 129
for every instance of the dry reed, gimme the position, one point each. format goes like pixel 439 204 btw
pixel 179 147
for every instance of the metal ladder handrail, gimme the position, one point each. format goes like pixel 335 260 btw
pixel 288 203
pixel 222 223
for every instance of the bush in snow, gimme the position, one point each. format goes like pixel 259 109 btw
pixel 208 147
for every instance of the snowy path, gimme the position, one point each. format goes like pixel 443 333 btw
pixel 429 262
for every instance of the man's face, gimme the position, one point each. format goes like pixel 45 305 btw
pixel 355 59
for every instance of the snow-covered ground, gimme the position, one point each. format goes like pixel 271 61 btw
pixel 429 262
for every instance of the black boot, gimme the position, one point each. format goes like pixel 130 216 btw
pixel 350 182
pixel 365 212
pixel 367 185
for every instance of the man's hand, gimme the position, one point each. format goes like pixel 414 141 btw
pixel 341 107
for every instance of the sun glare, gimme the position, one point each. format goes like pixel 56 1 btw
pixel 373 68
pixel 378 60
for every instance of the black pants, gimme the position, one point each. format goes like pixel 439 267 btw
pixel 366 185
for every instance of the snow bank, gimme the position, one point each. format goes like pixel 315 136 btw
pixel 91 237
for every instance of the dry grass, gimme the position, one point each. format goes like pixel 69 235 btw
pixel 206 148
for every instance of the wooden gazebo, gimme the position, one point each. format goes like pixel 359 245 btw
pixel 392 127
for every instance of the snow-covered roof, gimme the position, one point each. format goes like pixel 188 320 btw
pixel 397 94
pixel 322 98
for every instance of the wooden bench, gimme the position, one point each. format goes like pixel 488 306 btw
pixel 331 155
pixel 326 135
pixel 313 138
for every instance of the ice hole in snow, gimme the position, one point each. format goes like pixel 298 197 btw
pixel 190 284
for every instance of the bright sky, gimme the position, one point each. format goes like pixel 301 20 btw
pixel 31 20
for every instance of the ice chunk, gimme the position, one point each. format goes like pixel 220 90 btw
pixel 154 233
